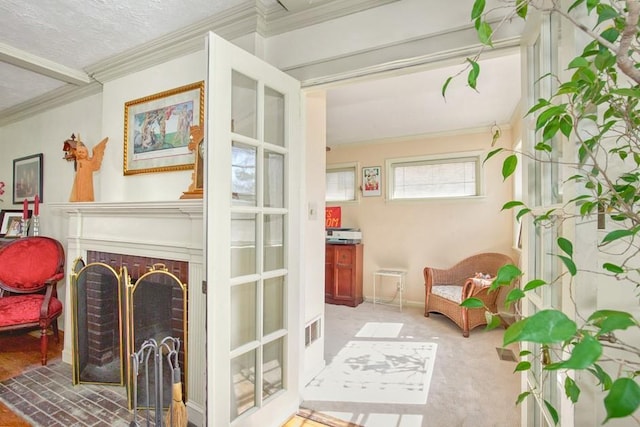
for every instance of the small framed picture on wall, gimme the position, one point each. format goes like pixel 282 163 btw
pixel 371 181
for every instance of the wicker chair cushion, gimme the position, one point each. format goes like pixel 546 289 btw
pixel 450 292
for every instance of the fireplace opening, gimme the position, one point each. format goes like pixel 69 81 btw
pixel 98 326
pixel 157 300
pixel 115 313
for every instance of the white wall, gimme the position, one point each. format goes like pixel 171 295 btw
pixel 315 128
pixel 111 185
pixel 45 133
pixel 436 233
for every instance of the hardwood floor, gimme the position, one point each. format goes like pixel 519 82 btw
pixel 20 350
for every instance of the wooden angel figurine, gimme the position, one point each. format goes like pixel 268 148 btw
pixel 82 190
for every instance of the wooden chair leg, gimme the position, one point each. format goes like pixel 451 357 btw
pixel 56 334
pixel 44 343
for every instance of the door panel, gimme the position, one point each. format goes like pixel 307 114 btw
pixel 252 175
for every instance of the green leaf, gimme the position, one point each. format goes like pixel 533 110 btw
pixel 610 35
pixel 478 8
pixel 623 398
pixel 578 62
pixel 509 166
pixel 446 85
pixel 491 154
pixel 521 213
pixel 591 4
pixel 583 354
pixel 533 284
pixel 605 13
pixel 514 295
pixel 474 72
pixel 522 8
pixel 507 273
pixel 616 269
pixel 616 235
pixel 522 366
pixel 512 204
pixel 611 320
pixel 522 397
pixel 525 353
pixel 566 125
pixel 540 146
pixel 541 104
pixel 571 389
pixel 552 412
pixel 472 303
pixel 603 378
pixel 575 4
pixel 626 92
pixel 568 262
pixel 549 114
pixel 544 327
pixel 565 245
pixel 493 321
pixel 484 33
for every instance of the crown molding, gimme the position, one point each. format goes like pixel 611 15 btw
pixel 422 136
pixel 55 98
pixel 280 21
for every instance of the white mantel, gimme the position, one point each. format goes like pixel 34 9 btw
pixel 171 230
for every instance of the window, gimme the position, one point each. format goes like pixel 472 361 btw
pixel 341 182
pixel 455 175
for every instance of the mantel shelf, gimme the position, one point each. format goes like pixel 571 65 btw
pixel 157 208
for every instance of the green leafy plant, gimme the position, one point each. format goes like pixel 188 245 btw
pixel 596 110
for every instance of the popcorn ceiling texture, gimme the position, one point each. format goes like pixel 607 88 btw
pixel 78 33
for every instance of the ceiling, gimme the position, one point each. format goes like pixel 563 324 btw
pixel 46 45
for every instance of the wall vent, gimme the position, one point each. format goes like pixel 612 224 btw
pixel 312 332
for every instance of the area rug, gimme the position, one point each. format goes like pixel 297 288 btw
pixel 376 372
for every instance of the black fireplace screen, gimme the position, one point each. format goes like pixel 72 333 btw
pixel 113 317
pixel 98 331
pixel 156 309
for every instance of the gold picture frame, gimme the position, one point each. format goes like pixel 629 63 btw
pixel 156 129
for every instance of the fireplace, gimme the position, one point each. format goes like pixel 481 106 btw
pixel 137 235
pixel 116 311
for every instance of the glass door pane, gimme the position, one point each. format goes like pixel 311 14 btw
pixel 251 172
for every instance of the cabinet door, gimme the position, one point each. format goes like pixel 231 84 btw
pixel 344 284
pixel 329 266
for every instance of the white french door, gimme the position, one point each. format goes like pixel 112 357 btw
pixel 253 174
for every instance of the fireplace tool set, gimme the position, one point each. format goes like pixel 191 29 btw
pixel 150 358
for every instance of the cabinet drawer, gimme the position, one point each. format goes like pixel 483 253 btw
pixel 344 255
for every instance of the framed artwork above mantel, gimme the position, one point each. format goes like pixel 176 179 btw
pixel 156 129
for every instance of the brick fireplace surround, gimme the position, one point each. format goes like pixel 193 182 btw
pixel 158 230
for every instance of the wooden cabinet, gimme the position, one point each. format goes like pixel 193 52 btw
pixel 343 274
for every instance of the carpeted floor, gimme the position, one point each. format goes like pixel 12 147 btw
pixel 45 396
pixel 376 372
pixel 468 385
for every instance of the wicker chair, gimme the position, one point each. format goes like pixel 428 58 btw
pixel 445 289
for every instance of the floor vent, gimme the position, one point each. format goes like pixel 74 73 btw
pixel 506 354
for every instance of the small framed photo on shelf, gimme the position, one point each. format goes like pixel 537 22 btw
pixel 10 223
pixel 27 178
pixel 371 182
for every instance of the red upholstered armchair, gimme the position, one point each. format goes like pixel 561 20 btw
pixel 30 269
